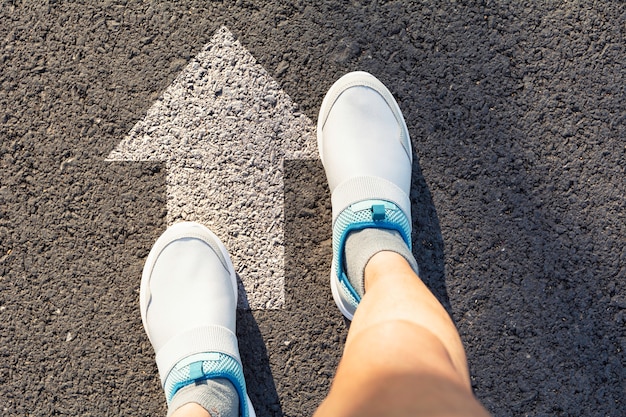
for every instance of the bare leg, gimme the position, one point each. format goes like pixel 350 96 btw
pixel 403 356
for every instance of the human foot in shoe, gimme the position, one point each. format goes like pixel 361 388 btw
pixel 188 302
pixel 365 148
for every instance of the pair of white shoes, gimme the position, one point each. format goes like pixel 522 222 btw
pixel 188 295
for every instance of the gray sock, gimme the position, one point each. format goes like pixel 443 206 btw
pixel 361 245
pixel 217 396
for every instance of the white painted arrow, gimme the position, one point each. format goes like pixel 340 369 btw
pixel 223 128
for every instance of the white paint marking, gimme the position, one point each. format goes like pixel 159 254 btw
pixel 223 128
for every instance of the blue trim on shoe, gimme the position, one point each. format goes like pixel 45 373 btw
pixel 206 366
pixel 379 214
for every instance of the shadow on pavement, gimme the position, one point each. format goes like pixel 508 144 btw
pixel 256 366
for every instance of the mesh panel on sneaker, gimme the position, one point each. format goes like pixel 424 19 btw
pixel 361 216
pixel 346 287
pixel 208 366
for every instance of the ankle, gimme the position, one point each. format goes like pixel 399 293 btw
pixel 362 245
pixel 191 410
pixel 215 397
pixel 383 264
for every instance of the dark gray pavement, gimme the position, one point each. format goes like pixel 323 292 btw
pixel 517 113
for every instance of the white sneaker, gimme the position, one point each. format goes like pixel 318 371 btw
pixel 365 148
pixel 188 302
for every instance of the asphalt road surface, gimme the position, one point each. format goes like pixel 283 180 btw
pixel 517 112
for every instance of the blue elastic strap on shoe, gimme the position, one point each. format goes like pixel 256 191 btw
pixel 377 214
pixel 205 366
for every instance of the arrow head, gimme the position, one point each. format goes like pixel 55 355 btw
pixel 224 128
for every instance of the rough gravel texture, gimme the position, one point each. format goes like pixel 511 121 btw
pixel 517 112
